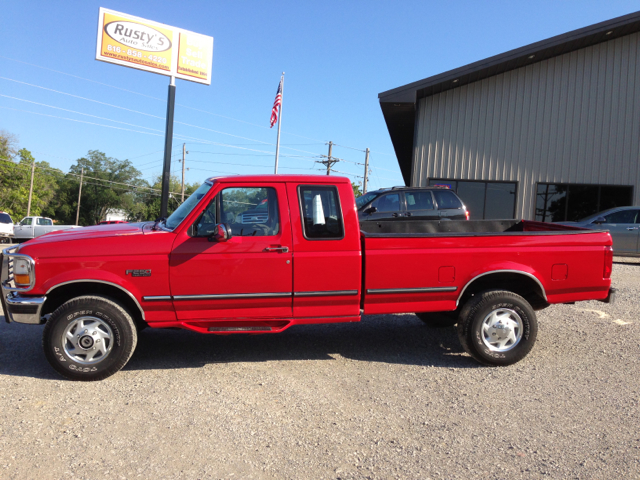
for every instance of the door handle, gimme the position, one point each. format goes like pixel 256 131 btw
pixel 277 249
pixel 632 228
pixel 408 214
pixel 395 214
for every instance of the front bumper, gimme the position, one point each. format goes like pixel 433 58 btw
pixel 16 307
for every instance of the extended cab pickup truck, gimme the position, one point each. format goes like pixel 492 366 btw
pixel 307 261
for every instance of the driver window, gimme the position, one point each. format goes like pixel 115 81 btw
pixel 26 221
pixel 248 211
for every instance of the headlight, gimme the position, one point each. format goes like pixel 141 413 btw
pixel 21 270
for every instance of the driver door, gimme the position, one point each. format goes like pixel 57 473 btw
pixel 248 276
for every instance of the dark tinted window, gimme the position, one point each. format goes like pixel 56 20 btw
pixel 321 212
pixel 387 203
pixel 500 200
pixel 446 199
pixel 472 194
pixel 364 199
pixel 623 216
pixel 5 218
pixel 561 202
pixel 418 200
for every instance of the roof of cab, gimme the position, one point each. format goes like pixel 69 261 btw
pixel 311 179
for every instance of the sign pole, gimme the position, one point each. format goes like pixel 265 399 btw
pixel 168 146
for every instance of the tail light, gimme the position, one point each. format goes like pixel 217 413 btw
pixel 608 262
pixel 466 214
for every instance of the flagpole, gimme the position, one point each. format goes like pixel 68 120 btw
pixel 279 122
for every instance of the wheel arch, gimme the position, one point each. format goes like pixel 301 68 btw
pixel 525 284
pixel 65 291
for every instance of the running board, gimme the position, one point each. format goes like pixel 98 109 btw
pixel 240 329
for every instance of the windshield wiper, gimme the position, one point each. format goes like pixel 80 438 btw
pixel 159 221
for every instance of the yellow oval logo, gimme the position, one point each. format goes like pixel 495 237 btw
pixel 138 36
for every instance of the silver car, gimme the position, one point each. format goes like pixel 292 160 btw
pixel 622 222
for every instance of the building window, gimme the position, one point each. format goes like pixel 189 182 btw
pixel 560 202
pixel 484 200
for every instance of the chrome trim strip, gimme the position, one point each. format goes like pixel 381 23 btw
pixel 158 298
pixel 91 280
pixel 375 291
pixel 327 293
pixel 229 296
pixel 15 300
pixel 544 294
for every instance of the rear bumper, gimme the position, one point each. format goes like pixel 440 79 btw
pixel 611 298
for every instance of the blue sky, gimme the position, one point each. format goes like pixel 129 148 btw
pixel 338 56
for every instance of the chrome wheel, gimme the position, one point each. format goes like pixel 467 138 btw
pixel 87 340
pixel 502 330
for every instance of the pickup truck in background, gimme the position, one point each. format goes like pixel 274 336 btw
pixel 6 228
pixel 31 227
pixel 304 260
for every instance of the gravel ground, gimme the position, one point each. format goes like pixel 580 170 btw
pixel 386 398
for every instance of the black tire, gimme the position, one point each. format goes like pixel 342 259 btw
pixel 89 326
pixel 438 319
pixel 519 327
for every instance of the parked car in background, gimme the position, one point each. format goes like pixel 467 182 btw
pixel 623 224
pixel 416 203
pixel 6 228
pixel 31 227
pixel 109 222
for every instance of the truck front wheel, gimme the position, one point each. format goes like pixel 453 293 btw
pixel 497 327
pixel 89 338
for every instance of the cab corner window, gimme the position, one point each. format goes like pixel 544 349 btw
pixel 321 212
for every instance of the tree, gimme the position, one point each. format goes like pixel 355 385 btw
pixel 8 145
pixel 98 196
pixel 152 199
pixel 356 189
pixel 15 182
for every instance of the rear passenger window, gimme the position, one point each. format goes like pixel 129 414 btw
pixel 387 203
pixel 446 199
pixel 321 212
pixel 419 200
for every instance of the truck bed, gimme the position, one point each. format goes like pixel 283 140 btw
pixel 421 266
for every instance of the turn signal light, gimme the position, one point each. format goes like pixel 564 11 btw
pixel 21 272
pixel 466 214
pixel 608 262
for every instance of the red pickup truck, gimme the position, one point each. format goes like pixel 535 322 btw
pixel 258 254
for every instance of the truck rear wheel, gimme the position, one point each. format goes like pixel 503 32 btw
pixel 497 327
pixel 89 338
pixel 439 319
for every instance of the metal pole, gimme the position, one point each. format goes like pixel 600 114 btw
pixel 279 123
pixel 79 194
pixel 183 147
pixel 329 159
pixel 366 172
pixel 168 144
pixel 33 171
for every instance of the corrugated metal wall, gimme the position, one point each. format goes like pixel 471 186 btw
pixel 572 119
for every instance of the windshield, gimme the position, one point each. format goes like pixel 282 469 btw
pixel 189 204
pixel 364 199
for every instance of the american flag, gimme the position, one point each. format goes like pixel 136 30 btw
pixel 276 104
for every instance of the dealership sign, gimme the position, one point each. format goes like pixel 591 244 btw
pixel 138 43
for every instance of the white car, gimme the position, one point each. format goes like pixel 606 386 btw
pixel 6 228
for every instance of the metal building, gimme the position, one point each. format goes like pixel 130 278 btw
pixel 549 131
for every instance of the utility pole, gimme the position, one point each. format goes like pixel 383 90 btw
pixel 366 172
pixel 330 161
pixel 79 193
pixel 33 171
pixel 183 153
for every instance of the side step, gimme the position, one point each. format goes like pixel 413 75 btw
pixel 240 329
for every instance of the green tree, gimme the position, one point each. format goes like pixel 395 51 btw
pixel 15 182
pixel 152 198
pixel 356 189
pixel 98 196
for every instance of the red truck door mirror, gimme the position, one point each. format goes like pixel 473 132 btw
pixel 221 233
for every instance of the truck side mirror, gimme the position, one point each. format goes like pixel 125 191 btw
pixel 599 220
pixel 371 210
pixel 221 233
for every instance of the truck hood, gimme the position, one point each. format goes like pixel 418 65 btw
pixel 97 231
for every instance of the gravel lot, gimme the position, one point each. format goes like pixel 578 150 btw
pixel 387 398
